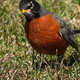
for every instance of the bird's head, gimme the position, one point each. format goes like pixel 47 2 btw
pixel 29 8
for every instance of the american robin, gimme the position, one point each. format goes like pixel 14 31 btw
pixel 45 30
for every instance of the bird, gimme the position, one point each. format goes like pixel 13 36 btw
pixel 45 30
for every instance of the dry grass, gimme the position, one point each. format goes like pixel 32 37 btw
pixel 16 53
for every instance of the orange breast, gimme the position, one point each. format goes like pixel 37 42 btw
pixel 44 35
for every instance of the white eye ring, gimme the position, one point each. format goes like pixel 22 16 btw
pixel 32 5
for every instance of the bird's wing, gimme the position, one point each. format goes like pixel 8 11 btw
pixel 65 32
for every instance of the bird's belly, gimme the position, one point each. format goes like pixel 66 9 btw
pixel 44 36
pixel 47 44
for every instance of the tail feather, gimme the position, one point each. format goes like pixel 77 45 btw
pixel 74 32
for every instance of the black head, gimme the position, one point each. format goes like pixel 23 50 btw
pixel 30 8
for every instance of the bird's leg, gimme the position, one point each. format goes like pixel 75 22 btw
pixel 33 58
pixel 62 56
pixel 56 58
pixel 41 60
pixel 51 60
pixel 56 66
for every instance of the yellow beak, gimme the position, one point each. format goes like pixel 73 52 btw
pixel 25 11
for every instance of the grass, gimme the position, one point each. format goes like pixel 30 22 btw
pixel 16 53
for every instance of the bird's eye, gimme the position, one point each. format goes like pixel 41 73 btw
pixel 30 6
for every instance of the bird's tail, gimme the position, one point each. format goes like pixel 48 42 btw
pixel 74 32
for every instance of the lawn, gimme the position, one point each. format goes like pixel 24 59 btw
pixel 16 53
